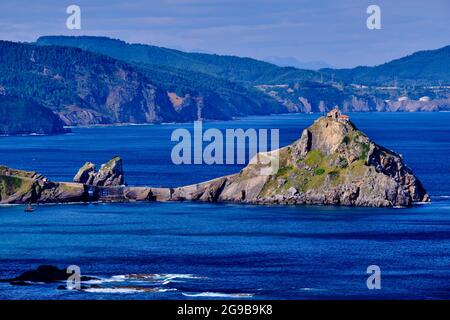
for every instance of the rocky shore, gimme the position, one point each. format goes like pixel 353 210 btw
pixel 331 163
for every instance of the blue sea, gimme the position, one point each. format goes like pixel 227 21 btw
pixel 226 251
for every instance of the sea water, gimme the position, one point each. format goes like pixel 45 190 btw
pixel 208 251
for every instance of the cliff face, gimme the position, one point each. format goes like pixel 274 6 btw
pixel 82 87
pixel 331 163
pixel 86 88
pixel 15 118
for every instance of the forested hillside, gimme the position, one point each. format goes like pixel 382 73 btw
pixel 89 88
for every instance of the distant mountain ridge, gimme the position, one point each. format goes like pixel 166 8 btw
pixel 293 62
pixel 98 80
pixel 298 90
pixel 232 68
pixel 83 87
pixel 430 67
pixel 181 73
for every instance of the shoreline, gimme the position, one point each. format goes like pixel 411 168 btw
pixel 130 124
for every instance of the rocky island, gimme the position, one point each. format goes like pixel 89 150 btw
pixel 332 163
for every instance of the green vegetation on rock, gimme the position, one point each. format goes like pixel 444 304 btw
pixel 14 185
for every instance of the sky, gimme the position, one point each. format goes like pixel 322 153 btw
pixel 332 31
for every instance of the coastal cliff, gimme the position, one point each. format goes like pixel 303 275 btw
pixel 332 163
pixel 15 118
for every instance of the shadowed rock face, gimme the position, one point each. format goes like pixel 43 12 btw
pixel 86 174
pixel 109 175
pixel 15 117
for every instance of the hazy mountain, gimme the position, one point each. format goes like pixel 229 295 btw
pixel 232 68
pixel 424 66
pixel 94 80
pixel 299 90
pixel 294 62
pixel 431 67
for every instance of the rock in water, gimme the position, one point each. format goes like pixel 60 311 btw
pixel 45 274
pixel 86 174
pixel 332 163
pixel 110 174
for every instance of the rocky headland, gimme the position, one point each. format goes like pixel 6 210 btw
pixel 332 163
pixel 15 117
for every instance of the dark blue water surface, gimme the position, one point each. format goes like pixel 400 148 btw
pixel 205 250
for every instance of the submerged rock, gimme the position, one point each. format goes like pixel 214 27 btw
pixel 45 274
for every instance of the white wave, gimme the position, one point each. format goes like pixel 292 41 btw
pixel 178 276
pixel 162 279
pixel 421 203
pixel 311 289
pixel 113 290
pixel 127 290
pixel 219 295
pixel 105 280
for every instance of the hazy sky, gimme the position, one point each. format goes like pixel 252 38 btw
pixel 333 31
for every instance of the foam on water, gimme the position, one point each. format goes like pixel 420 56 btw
pixel 218 295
